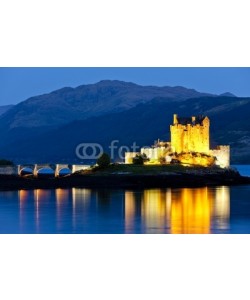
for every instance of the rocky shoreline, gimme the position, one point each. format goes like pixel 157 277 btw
pixel 118 180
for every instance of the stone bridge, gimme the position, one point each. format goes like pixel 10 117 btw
pixel 36 168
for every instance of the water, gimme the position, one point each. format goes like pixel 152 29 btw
pixel 184 210
pixel 197 210
pixel 243 169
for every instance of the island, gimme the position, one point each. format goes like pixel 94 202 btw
pixel 185 161
pixel 130 176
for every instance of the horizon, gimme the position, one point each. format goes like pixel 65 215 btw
pixel 19 84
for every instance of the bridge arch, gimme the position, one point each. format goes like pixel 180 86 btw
pixel 21 168
pixel 26 171
pixel 48 171
pixel 35 169
pixel 59 171
pixel 50 167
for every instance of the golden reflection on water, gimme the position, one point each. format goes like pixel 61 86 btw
pixel 221 208
pixel 80 197
pixel 62 197
pixel 154 209
pixel 130 211
pixel 39 197
pixel 80 203
pixel 191 211
pixel 184 210
pixel 179 210
pixel 23 196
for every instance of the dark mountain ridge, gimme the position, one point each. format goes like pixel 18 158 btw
pixel 5 108
pixel 141 124
pixel 68 104
pixel 227 94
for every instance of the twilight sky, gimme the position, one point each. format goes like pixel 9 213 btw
pixel 18 84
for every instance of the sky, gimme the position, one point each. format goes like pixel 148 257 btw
pixel 18 84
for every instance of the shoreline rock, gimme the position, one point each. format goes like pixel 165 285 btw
pixel 10 182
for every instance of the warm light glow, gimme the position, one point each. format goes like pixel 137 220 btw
pixel 153 209
pixel 81 196
pixel 222 207
pixel 81 201
pixel 189 145
pixel 37 197
pixel 196 159
pixel 190 137
pixel 130 212
pixel 41 196
pixel 185 210
pixel 191 211
pixel 62 197
pixel 23 196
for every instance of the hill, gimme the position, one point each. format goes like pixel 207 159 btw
pixel 69 104
pixel 5 108
pixel 142 124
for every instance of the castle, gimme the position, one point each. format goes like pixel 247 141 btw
pixel 189 145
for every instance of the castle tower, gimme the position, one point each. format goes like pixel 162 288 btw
pixel 175 121
pixel 190 134
pixel 190 140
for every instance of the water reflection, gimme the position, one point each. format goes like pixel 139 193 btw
pixel 179 210
pixel 81 200
pixel 191 211
pixel 23 196
pixel 197 210
pixel 63 198
pixel 154 210
pixel 221 208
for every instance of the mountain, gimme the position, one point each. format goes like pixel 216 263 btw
pixel 227 94
pixel 69 104
pixel 141 124
pixel 5 108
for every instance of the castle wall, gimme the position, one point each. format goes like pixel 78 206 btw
pixel 8 170
pixel 222 154
pixel 149 152
pixel 190 138
pixel 193 137
pixel 176 132
pixel 154 153
pixel 129 157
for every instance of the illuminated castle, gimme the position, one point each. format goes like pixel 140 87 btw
pixel 189 145
pixel 190 134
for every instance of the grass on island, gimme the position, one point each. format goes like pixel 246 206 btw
pixel 123 169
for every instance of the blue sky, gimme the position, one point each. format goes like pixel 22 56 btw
pixel 18 84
